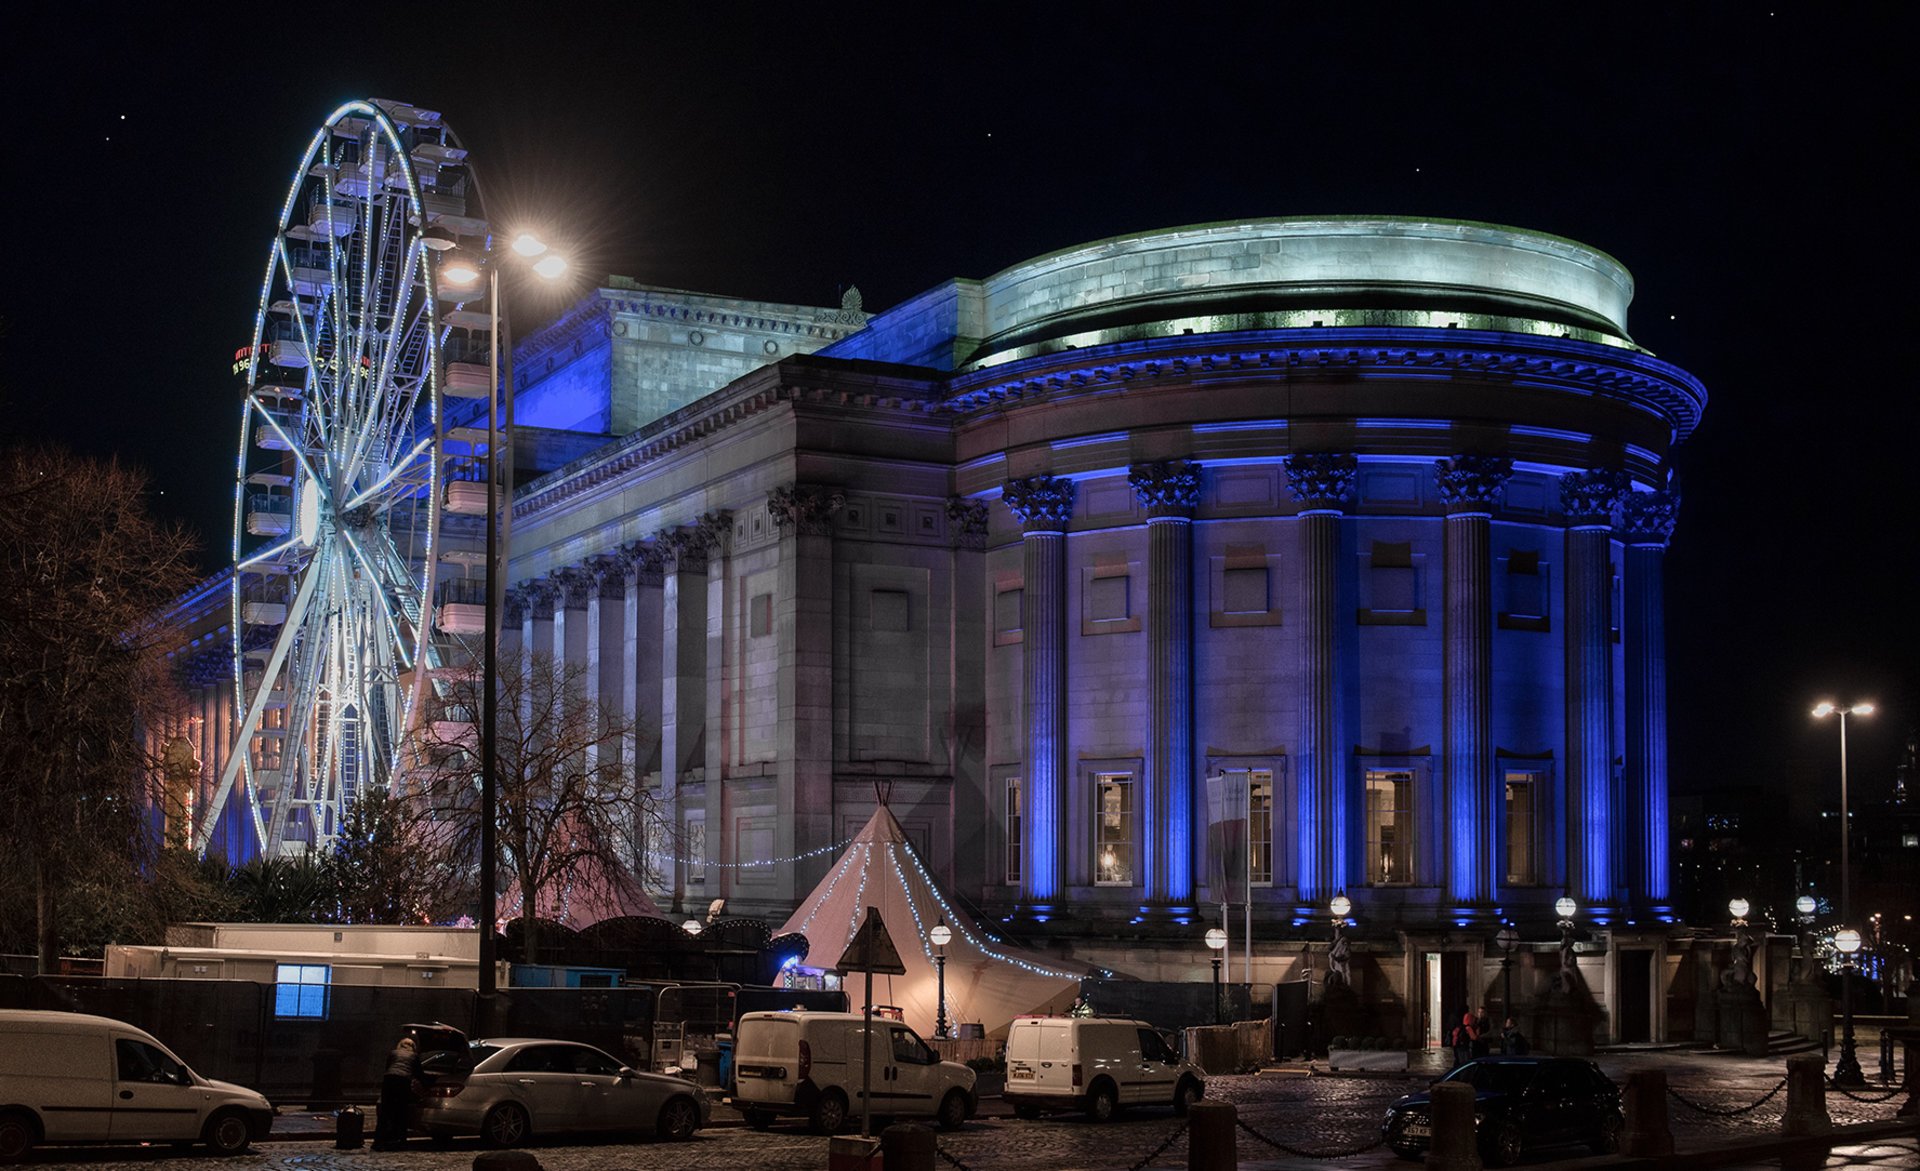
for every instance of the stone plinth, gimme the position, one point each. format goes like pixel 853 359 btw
pixel 1742 1021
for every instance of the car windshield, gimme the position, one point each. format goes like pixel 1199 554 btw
pixel 457 1061
pixel 1497 1077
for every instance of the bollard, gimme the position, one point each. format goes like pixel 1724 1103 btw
pixel 1212 1136
pixel 1910 1045
pixel 1452 1147
pixel 1806 1096
pixel 349 1128
pixel 1648 1132
pixel 906 1147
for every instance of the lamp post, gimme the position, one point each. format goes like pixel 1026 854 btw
pixel 941 935
pixel 1846 1071
pixel 1340 907
pixel 1565 907
pixel 1803 908
pixel 1508 939
pixel 462 272
pixel 1216 942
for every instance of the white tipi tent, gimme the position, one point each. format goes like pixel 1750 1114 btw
pixel 987 982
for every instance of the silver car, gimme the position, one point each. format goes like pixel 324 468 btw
pixel 509 1089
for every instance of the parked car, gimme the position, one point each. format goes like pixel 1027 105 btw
pixel 1095 1064
pixel 66 1077
pixel 1519 1103
pixel 510 1089
pixel 811 1063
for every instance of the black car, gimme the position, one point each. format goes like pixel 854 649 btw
pixel 1519 1103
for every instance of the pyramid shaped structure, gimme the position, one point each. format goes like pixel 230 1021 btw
pixel 988 982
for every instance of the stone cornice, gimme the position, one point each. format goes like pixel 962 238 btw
pixel 797 380
pixel 1347 352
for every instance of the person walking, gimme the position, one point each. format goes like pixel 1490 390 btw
pixel 1482 1033
pixel 1513 1042
pixel 396 1096
pixel 1462 1039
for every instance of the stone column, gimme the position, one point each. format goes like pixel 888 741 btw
pixel 1168 490
pixel 638 698
pixel 803 624
pixel 604 638
pixel 976 805
pixel 1470 486
pixel 683 656
pixel 1647 520
pixel 1043 505
pixel 1588 499
pixel 1322 484
pixel 574 589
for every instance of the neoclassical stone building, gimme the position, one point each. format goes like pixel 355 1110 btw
pixel 1366 515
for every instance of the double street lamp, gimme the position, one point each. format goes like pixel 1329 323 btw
pixel 1846 1072
pixel 462 272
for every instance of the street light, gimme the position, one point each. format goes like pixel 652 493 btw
pixel 461 271
pixel 941 935
pixel 1340 907
pixel 1804 908
pixel 1846 1071
pixel 1565 907
pixel 1217 942
pixel 1738 908
pixel 691 927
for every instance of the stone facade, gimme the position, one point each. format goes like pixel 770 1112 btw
pixel 1366 514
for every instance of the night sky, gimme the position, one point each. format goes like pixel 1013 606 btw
pixel 1741 159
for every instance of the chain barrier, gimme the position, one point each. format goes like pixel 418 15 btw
pixel 951 1158
pixel 1299 1153
pixel 1889 1096
pixel 1172 1137
pixel 1677 1096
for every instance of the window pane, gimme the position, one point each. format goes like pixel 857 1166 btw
pixel 300 990
pixel 1389 827
pixel 1260 824
pixel 1113 829
pixel 1522 793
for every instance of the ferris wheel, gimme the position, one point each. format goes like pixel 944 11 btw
pixel 351 460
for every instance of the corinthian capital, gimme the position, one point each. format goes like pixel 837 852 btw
pixel 573 586
pixel 1589 498
pixel 1168 487
pixel 519 605
pixel 1321 482
pixel 1042 504
pixel 540 593
pixel 967 522
pixel 1473 483
pixel 1646 518
pixel 805 509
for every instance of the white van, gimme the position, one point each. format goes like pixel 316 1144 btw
pixel 70 1078
pixel 1096 1064
pixel 809 1063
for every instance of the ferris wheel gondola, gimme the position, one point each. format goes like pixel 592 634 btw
pixel 347 450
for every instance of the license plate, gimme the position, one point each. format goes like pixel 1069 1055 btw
pixel 1020 1073
pixel 1417 1130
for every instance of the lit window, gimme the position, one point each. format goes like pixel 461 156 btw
pixel 1113 829
pixel 1910 841
pixel 1260 827
pixel 1389 827
pixel 300 991
pixel 1523 852
pixel 1014 842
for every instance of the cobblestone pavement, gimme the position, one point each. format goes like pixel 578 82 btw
pixel 1320 1114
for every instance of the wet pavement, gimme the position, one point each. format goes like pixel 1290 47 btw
pixel 1314 1113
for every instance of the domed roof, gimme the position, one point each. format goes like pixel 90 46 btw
pixel 1302 272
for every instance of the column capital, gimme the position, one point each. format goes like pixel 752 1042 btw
pixel 805 509
pixel 1322 482
pixel 537 597
pixel 1589 497
pixel 609 572
pixel 1473 483
pixel 643 560
pixel 573 586
pixel 690 548
pixel 1647 518
pixel 1042 504
pixel 1167 487
pixel 518 604
pixel 967 522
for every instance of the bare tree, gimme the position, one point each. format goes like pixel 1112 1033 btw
pixel 85 574
pixel 569 817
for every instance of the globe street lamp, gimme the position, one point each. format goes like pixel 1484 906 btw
pixel 461 272
pixel 1216 942
pixel 1565 907
pixel 1804 908
pixel 1340 908
pixel 941 935
pixel 1846 1071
